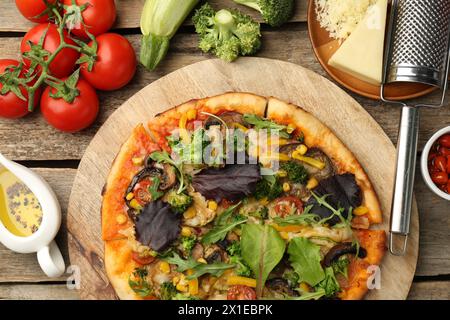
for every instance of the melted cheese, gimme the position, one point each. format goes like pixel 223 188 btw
pixel 335 234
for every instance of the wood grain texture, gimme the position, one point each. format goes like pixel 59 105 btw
pixel 129 14
pixel 37 292
pixel 261 76
pixel 430 290
pixel 45 143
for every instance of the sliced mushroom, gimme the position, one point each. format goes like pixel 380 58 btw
pixel 340 250
pixel 300 191
pixel 315 153
pixel 168 177
pixel 228 117
pixel 144 173
pixel 214 254
pixel 279 287
pixel 197 251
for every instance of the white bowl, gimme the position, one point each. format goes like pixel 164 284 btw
pixel 424 164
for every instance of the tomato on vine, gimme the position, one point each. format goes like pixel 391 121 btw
pixel 113 64
pixel 46 40
pixel 95 16
pixel 13 95
pixel 71 105
pixel 36 10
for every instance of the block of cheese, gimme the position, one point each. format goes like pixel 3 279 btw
pixel 361 55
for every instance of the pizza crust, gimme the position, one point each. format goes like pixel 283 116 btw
pixel 320 136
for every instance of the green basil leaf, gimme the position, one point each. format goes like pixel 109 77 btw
pixel 262 249
pixel 305 259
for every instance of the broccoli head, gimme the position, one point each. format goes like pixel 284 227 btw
pixel 226 33
pixel 274 12
pixel 167 291
pixel 179 202
pixel 188 243
pixel 295 171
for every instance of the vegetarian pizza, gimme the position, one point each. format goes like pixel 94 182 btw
pixel 239 197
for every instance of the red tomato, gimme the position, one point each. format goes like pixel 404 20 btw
pixel 448 164
pixel 240 292
pixel 98 17
pixel 11 106
pixel 445 140
pixel 439 177
pixel 64 62
pixel 141 193
pixel 71 117
pixel 115 65
pixel 286 205
pixel 440 163
pixel 33 9
pixel 142 260
pixel 444 151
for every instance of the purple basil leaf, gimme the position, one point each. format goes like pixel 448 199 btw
pixel 232 182
pixel 342 191
pixel 157 226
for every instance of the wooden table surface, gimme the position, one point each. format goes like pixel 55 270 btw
pixel 56 155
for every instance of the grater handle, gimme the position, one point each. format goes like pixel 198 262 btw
pixel 404 178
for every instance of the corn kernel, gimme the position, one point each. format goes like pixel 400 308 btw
pixel 175 280
pixel 164 267
pixel 264 201
pixel 360 211
pixel 130 196
pixel 290 128
pixel 190 213
pixel 121 219
pixel 284 235
pixel 282 173
pixel 181 287
pixel 138 161
pixel 304 287
pixel 286 187
pixel 312 183
pixel 202 260
pixel 192 114
pixel 212 205
pixel 186 231
pixel 135 205
pixel 302 149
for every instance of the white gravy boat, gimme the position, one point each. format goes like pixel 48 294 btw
pixel 42 241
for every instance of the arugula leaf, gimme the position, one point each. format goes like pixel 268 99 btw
pixel 219 233
pixel 306 218
pixel 223 218
pixel 198 268
pixel 216 269
pixel 329 284
pixel 305 259
pixel 319 293
pixel 261 123
pixel 262 249
pixel 182 264
pixel 153 188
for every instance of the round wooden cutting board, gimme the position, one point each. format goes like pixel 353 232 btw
pixel 289 82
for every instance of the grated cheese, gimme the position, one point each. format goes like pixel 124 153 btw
pixel 340 17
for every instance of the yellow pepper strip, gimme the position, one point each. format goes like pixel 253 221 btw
pixel 286 187
pixel 183 132
pixel 304 287
pixel 284 235
pixel 264 201
pixel 312 183
pixel 282 173
pixel 192 284
pixel 360 211
pixel 243 281
pixel 239 126
pixel 212 205
pixel 282 157
pixel 181 287
pixel 130 196
pixel 289 228
pixel 190 213
pixel 311 161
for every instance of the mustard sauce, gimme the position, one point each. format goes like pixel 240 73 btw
pixel 20 210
